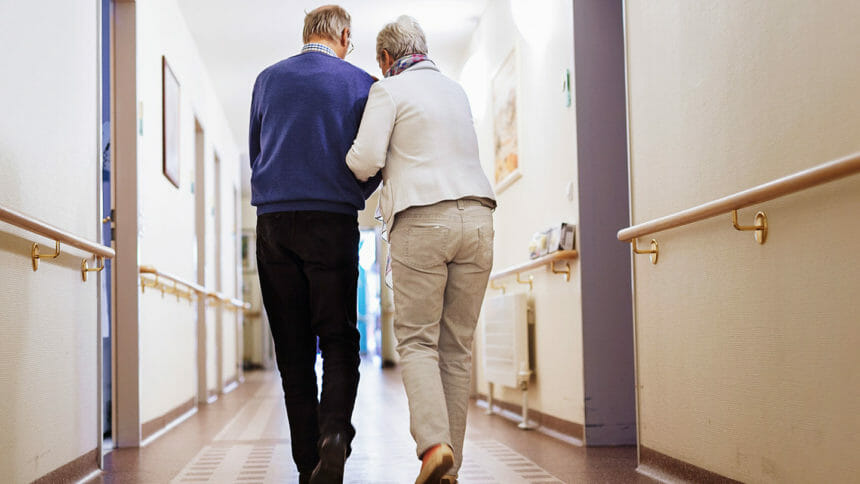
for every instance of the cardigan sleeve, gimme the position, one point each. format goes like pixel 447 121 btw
pixel 370 148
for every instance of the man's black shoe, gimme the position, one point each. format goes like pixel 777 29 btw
pixel 333 452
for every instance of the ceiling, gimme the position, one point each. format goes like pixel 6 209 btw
pixel 239 38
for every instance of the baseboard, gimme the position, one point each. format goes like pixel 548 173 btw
pixel 669 469
pixel 74 471
pixel 148 429
pixel 561 429
pixel 230 385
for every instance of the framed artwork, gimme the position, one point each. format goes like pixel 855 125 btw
pixel 505 139
pixel 170 123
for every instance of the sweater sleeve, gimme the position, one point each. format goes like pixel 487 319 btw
pixel 369 150
pixel 254 129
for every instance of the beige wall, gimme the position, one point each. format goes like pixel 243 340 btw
pixel 747 354
pixel 49 160
pixel 547 141
pixel 167 214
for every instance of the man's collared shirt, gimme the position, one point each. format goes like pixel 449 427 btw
pixel 315 47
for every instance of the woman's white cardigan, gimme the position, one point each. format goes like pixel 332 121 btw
pixel 417 128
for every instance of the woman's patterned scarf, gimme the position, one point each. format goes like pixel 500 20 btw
pixel 405 62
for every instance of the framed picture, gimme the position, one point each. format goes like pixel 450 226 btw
pixel 170 123
pixel 505 136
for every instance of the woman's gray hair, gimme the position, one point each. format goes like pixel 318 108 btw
pixel 401 37
pixel 327 21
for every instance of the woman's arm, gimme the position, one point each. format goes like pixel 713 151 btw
pixel 369 150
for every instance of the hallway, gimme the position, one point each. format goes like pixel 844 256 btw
pixel 244 438
pixel 668 298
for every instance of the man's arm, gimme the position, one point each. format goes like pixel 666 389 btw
pixel 369 150
pixel 368 187
pixel 254 129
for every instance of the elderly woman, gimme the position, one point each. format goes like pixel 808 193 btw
pixel 437 205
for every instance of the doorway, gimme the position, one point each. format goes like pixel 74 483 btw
pixel 368 297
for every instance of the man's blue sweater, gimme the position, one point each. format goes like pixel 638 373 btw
pixel 305 113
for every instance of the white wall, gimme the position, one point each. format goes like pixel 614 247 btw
pixel 547 159
pixel 49 160
pixel 229 370
pixel 747 354
pixel 211 349
pixel 167 228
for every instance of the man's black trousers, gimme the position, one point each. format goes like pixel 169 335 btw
pixel 308 266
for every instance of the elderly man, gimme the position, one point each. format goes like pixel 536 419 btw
pixel 305 112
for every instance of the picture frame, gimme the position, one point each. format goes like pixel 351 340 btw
pixel 170 123
pixel 505 96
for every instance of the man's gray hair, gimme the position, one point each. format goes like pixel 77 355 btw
pixel 401 37
pixel 327 21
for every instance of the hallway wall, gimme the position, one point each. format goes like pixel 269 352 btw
pixel 167 229
pixel 49 160
pixel 747 354
pixel 547 160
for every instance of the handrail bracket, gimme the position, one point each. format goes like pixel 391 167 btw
pixel 654 252
pixel 759 226
pixel 566 271
pixel 529 281
pixel 85 267
pixel 494 286
pixel 35 255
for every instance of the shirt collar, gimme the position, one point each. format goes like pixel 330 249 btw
pixel 316 47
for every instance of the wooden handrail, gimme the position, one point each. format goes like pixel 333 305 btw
pixel 170 277
pixel 47 230
pixel 200 290
pixel 238 303
pixel 562 255
pixel 802 180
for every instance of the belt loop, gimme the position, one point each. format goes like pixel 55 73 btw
pixel 460 204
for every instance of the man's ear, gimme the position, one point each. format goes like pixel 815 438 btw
pixel 344 38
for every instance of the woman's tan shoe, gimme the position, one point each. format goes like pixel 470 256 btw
pixel 434 464
pixel 449 479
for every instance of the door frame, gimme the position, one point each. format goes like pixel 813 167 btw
pixel 124 182
pixel 217 257
pixel 602 162
pixel 200 233
pixel 100 238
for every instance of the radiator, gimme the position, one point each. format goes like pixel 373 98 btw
pixel 506 341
